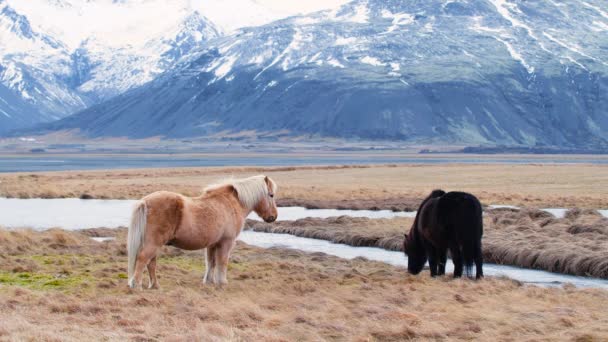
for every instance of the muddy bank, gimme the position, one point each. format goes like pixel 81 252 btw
pixel 60 285
pixel 530 238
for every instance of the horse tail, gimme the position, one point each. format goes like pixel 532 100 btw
pixel 468 257
pixel 471 249
pixel 135 237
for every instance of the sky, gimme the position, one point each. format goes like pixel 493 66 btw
pixel 301 6
pixel 127 21
pixel 232 14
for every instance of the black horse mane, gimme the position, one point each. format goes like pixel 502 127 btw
pixel 434 194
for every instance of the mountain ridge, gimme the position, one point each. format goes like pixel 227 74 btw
pixel 491 72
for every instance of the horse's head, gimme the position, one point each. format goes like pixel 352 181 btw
pixel 266 208
pixel 413 244
pixel 416 255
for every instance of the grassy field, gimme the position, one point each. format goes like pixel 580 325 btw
pixel 576 244
pixel 58 285
pixel 62 286
pixel 390 187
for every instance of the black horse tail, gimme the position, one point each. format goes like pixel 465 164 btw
pixel 471 249
pixel 468 256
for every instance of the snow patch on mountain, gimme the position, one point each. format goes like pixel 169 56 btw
pixel 597 9
pixel 335 63
pixel 372 61
pixel 398 19
pixel 345 40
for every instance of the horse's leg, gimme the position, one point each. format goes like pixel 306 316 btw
pixel 146 253
pixel 456 259
pixel 478 261
pixel 210 265
pixel 152 274
pixel 443 259
pixel 432 255
pixel 222 255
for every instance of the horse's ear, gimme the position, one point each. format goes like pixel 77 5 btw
pixel 437 193
pixel 234 190
pixel 270 183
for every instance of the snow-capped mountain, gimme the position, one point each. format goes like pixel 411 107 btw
pixel 113 70
pixel 61 56
pixel 72 69
pixel 509 72
pixel 36 68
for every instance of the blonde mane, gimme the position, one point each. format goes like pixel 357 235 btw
pixel 250 190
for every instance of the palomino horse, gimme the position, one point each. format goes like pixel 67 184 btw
pixel 212 221
pixel 446 221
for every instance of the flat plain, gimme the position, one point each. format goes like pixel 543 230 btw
pixel 397 186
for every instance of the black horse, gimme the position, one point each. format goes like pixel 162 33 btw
pixel 445 221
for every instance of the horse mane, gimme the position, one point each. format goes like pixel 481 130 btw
pixel 249 190
pixel 434 194
pixel 414 236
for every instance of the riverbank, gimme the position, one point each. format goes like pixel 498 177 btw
pixel 393 187
pixel 59 285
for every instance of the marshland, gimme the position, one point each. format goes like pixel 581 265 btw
pixel 62 285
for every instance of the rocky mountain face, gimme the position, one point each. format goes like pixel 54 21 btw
pixel 475 72
pixel 524 73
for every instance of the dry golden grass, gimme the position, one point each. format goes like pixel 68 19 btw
pixel 62 286
pixel 390 186
pixel 576 244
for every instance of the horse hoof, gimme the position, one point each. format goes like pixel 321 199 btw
pixel 134 286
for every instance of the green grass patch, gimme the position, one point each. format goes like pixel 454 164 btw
pixel 41 281
pixel 236 266
pixel 62 259
pixel 194 264
pixel 62 272
pixel 183 262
